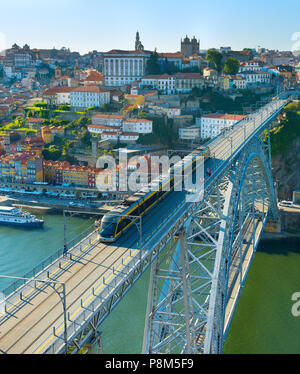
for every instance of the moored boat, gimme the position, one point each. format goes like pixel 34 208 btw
pixel 16 217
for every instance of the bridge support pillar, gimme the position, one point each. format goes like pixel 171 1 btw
pixel 94 347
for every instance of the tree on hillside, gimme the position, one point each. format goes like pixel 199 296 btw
pixel 52 153
pixel 40 105
pixel 169 67
pixel 215 57
pixel 86 139
pixel 232 66
pixel 64 107
pixel 152 66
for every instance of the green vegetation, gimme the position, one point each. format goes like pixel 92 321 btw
pixel 212 101
pixel 79 124
pixel 30 132
pixel 40 105
pixel 169 67
pixel 152 66
pixel 51 153
pixel 17 125
pixel 215 57
pixel 91 108
pixel 232 66
pixel 86 139
pixel 65 108
pixel 37 111
pixel 55 122
pixel 163 133
pixel 283 135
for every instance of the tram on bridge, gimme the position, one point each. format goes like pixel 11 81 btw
pixel 119 220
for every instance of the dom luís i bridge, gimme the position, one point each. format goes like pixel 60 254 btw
pixel 199 251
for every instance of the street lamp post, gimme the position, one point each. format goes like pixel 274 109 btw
pixel 61 294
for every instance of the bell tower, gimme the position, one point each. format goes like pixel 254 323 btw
pixel 57 72
pixel 138 45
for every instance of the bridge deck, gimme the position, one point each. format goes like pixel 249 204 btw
pixel 28 326
pixel 34 321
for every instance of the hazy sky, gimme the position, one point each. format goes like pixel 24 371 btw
pixel 85 25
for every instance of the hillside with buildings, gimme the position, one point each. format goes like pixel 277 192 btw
pixel 61 107
pixel 285 140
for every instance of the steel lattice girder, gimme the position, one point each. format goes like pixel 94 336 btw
pixel 194 281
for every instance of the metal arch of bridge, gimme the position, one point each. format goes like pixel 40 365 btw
pixel 195 285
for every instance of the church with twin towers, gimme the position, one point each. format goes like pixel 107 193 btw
pixel 122 67
pixel 188 48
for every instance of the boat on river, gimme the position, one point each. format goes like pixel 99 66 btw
pixel 13 216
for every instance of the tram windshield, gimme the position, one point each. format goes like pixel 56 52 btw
pixel 108 225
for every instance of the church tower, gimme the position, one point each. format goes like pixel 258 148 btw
pixel 190 47
pixel 76 71
pixel 57 72
pixel 138 45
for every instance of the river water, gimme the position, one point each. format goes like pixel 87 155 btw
pixel 263 322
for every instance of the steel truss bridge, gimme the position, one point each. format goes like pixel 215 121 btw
pixel 199 253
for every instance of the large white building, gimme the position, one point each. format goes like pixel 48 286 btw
pixel 164 83
pixel 212 124
pixel 89 96
pixel 251 65
pixel 254 77
pixel 171 84
pixel 107 119
pixel 59 95
pixel 139 125
pixel 123 67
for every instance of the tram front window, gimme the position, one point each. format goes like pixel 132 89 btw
pixel 108 226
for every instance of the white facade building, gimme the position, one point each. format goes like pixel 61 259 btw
pixel 251 65
pixel 239 82
pixel 63 98
pixel 254 77
pixel 119 136
pixel 59 95
pixel 211 125
pixel 165 83
pixel 88 96
pixel 107 119
pixel 123 67
pixel 100 129
pixel 189 133
pixel 116 128
pixel 138 125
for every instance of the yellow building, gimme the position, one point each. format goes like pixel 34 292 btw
pixel 224 82
pixel 77 175
pixel 137 100
pixel 21 167
pixel 46 134
pixel 57 130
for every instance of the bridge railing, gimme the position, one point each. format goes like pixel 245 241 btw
pixel 98 301
pixel 74 244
